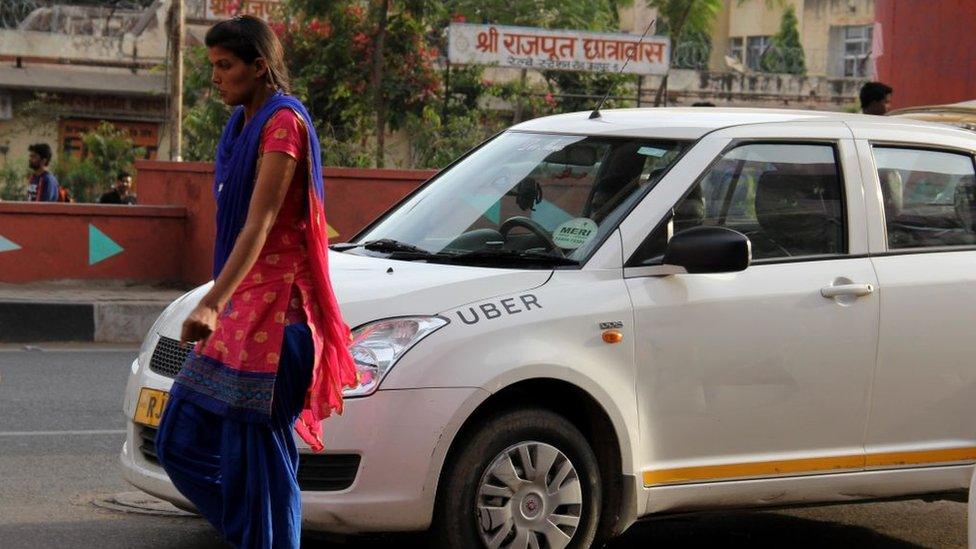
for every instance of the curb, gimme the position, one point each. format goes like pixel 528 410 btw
pixel 30 322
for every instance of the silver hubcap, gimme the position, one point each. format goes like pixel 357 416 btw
pixel 529 497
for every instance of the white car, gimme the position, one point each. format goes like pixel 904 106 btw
pixel 590 320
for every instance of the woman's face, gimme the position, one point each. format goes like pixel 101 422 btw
pixel 235 80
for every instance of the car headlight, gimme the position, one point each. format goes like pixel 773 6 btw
pixel 377 346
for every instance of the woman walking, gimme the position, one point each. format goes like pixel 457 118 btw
pixel 271 349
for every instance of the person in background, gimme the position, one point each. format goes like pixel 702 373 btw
pixel 42 186
pixel 119 194
pixel 875 98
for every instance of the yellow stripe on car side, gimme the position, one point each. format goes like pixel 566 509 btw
pixel 733 471
pixel 921 458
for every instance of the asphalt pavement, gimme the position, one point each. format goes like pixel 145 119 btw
pixel 61 431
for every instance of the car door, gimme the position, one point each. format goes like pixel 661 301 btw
pixel 764 372
pixel 922 197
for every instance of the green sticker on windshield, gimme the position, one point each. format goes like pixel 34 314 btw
pixel 652 151
pixel 574 233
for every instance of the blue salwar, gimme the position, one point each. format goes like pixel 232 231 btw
pixel 242 476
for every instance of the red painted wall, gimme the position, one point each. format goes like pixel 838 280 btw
pixel 54 242
pixel 187 184
pixel 169 235
pixel 354 197
pixel 929 47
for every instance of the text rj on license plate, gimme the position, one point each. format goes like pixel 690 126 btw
pixel 149 409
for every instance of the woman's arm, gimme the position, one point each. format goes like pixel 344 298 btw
pixel 274 177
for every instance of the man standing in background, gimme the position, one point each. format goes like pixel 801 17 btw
pixel 875 98
pixel 119 194
pixel 43 186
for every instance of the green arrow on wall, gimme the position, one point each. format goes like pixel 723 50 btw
pixel 100 246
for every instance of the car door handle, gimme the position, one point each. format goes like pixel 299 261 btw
pixel 841 290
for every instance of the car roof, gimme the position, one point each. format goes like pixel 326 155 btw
pixel 695 122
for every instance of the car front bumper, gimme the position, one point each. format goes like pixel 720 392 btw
pixel 400 438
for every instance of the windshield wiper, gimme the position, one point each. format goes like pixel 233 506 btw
pixel 386 245
pixel 520 256
pixel 402 250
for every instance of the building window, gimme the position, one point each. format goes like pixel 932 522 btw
pixel 735 48
pixel 857 50
pixel 756 46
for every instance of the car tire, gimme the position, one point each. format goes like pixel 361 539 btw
pixel 480 500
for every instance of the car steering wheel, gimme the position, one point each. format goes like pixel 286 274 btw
pixel 533 227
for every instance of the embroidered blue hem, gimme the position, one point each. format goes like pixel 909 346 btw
pixel 231 393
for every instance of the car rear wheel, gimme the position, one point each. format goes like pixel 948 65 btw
pixel 525 479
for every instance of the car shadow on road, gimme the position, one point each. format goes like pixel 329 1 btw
pixel 754 530
pixel 733 529
pixel 739 529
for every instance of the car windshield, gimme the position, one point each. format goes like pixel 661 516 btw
pixel 529 199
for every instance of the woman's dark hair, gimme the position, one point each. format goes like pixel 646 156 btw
pixel 248 38
pixel 122 175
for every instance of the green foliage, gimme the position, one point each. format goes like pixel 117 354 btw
pixel 685 17
pixel 204 114
pixel 106 151
pixel 331 46
pixel 13 180
pixel 435 142
pixel 785 54
pixel 83 179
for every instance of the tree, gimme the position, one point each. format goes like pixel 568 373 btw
pixel 204 114
pixel 681 17
pixel 335 61
pixel 688 18
pixel 785 54
pixel 13 180
pixel 106 151
pixel 379 102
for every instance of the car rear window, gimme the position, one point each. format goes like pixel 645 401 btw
pixel 928 197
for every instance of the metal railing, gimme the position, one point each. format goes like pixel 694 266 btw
pixel 691 55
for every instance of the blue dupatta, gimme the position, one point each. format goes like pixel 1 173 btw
pixel 234 178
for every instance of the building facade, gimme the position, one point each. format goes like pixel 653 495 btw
pixel 836 38
pixel 66 68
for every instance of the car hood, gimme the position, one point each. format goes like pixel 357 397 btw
pixel 370 288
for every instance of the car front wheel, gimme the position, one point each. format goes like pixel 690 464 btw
pixel 525 479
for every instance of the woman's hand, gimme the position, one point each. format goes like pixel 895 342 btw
pixel 199 324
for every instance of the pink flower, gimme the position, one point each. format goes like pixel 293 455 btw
pixel 322 29
pixel 360 39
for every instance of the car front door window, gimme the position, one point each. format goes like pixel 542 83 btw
pixel 787 198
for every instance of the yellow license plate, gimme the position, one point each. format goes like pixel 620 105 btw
pixel 149 409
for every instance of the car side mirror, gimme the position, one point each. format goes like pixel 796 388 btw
pixel 700 250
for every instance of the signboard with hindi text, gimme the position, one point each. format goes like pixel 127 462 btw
pixel 225 9
pixel 546 49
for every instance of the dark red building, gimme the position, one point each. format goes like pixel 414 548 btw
pixel 928 50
